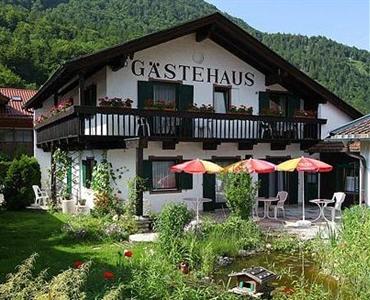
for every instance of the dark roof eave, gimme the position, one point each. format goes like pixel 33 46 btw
pixel 162 36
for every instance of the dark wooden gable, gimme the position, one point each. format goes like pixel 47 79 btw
pixel 217 28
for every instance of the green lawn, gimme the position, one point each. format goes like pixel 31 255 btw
pixel 27 232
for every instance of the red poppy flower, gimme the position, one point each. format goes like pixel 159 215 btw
pixel 77 264
pixel 108 275
pixel 288 291
pixel 127 253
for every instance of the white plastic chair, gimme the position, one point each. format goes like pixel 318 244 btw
pixel 282 196
pixel 338 197
pixel 41 197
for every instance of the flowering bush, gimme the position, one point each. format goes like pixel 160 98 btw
pixel 271 112
pixel 127 253
pixel 301 113
pixel 78 264
pixel 108 275
pixel 242 109
pixel 115 102
pixel 63 105
pixel 159 104
pixel 202 108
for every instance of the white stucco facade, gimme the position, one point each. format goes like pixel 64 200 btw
pixel 189 62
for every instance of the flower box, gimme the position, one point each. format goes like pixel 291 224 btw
pixel 115 102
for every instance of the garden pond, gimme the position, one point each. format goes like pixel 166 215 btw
pixel 280 263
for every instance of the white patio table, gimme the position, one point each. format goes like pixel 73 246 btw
pixel 321 203
pixel 266 204
pixel 197 201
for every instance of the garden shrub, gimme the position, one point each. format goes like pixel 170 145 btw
pixel 240 192
pixel 21 175
pixel 4 166
pixel 170 226
pixel 23 284
pixel 151 276
pixel 87 227
pixel 347 257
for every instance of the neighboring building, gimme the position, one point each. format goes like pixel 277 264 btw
pixel 16 123
pixel 357 133
pixel 208 61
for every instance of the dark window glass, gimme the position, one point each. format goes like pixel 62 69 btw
pixel 165 94
pixel 221 99
pixel 162 177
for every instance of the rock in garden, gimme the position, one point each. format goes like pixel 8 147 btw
pixel 245 253
pixel 223 261
pixel 193 225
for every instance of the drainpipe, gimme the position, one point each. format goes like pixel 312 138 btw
pixel 361 171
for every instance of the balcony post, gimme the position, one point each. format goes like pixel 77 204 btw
pixel 139 173
pixel 81 88
pixel 53 181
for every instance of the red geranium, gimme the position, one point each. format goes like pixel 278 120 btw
pixel 127 253
pixel 108 275
pixel 77 264
pixel 288 291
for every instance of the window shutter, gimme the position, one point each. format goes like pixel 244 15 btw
pixel 186 180
pixel 69 179
pixel 209 184
pixel 83 172
pixel 264 101
pixel 144 92
pixel 263 190
pixel 292 105
pixel 185 97
pixel 147 174
pixel 293 187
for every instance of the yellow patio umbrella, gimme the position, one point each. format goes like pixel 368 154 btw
pixel 304 164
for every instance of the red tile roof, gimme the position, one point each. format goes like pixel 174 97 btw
pixel 17 98
pixel 354 130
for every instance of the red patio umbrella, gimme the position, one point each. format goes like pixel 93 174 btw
pixel 251 165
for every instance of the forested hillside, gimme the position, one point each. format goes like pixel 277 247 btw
pixel 36 36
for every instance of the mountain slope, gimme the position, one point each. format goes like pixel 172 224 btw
pixel 37 35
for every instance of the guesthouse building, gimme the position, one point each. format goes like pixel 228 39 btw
pixel 204 89
pixel 16 123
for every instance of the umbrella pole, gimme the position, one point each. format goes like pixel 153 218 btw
pixel 197 203
pixel 304 217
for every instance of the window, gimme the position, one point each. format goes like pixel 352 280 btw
pixel 278 103
pixel 159 178
pixel 90 95
pixel 221 99
pixel 16 135
pixel 164 93
pixel 23 135
pixel 87 170
pixel 16 98
pixel 6 135
pixel 171 95
pixel 162 177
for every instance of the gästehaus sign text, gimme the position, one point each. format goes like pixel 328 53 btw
pixel 172 71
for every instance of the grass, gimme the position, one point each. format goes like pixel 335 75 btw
pixel 147 275
pixel 27 232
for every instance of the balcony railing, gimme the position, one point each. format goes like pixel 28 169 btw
pixel 99 123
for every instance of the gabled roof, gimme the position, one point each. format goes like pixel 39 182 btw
pixel 16 98
pixel 217 28
pixel 356 130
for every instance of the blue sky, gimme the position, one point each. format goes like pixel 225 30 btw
pixel 346 21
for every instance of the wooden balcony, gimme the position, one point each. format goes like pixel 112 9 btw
pixel 89 127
